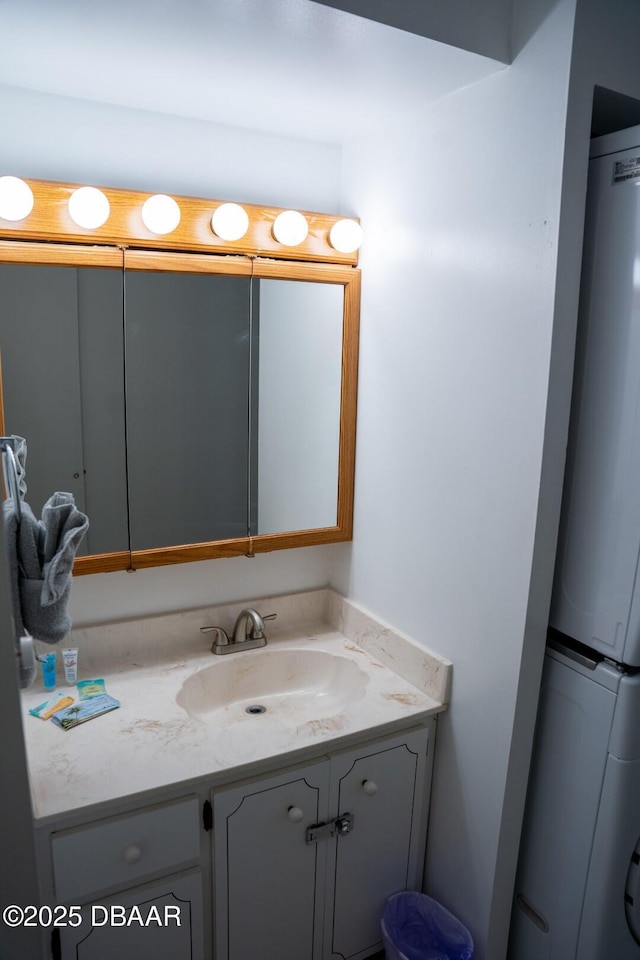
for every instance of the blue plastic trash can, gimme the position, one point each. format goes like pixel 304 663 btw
pixel 415 927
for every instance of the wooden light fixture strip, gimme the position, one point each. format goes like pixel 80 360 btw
pixel 50 220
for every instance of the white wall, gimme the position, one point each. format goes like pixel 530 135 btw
pixel 114 596
pixel 59 138
pixel 461 211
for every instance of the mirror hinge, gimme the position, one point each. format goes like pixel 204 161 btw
pixel 56 949
pixel 207 815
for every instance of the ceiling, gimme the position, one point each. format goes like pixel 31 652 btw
pixel 481 27
pixel 291 67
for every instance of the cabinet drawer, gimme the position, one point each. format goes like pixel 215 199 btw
pixel 123 850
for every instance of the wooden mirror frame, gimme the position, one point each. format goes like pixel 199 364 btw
pixel 161 254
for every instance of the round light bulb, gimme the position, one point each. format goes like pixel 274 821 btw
pixel 290 228
pixel 230 221
pixel 16 198
pixel 160 214
pixel 345 236
pixel 88 207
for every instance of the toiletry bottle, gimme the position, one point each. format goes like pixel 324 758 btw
pixel 49 671
pixel 70 662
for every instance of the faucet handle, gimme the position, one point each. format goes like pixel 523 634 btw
pixel 220 638
pixel 268 616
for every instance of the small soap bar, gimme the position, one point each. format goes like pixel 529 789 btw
pixel 91 688
pixel 51 706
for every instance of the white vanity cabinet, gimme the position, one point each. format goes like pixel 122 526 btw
pixel 160 918
pixel 304 861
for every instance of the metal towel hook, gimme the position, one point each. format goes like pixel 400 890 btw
pixel 11 472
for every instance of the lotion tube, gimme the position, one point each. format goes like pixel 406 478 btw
pixel 70 662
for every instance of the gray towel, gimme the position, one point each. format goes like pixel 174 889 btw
pixel 49 623
pixel 28 540
pixel 64 527
pixel 20 456
pixel 42 561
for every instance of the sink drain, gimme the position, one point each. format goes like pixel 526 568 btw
pixel 255 708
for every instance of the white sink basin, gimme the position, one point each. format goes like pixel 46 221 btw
pixel 295 685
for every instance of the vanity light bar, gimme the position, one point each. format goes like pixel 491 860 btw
pixel 45 210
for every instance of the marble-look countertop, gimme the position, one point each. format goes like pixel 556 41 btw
pixel 152 742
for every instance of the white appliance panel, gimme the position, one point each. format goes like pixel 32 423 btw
pixel 567 773
pixel 596 598
pixel 578 883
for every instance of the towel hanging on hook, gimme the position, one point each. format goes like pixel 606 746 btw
pixel 40 554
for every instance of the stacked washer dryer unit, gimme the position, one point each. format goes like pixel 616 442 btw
pixel 578 885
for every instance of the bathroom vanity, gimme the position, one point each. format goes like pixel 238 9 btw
pixel 264 804
pixel 276 832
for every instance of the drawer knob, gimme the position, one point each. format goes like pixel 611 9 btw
pixel 370 787
pixel 295 814
pixel 132 854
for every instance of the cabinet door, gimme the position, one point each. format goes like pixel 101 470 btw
pixel 384 788
pixel 268 880
pixel 163 920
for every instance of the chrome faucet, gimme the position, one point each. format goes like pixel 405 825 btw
pixel 248 633
pixel 249 626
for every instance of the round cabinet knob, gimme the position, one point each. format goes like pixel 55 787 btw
pixel 132 854
pixel 370 787
pixel 295 814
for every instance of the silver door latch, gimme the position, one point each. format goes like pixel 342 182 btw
pixel 339 827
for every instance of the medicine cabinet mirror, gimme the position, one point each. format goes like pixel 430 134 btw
pixel 196 405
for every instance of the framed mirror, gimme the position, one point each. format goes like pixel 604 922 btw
pixel 197 405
